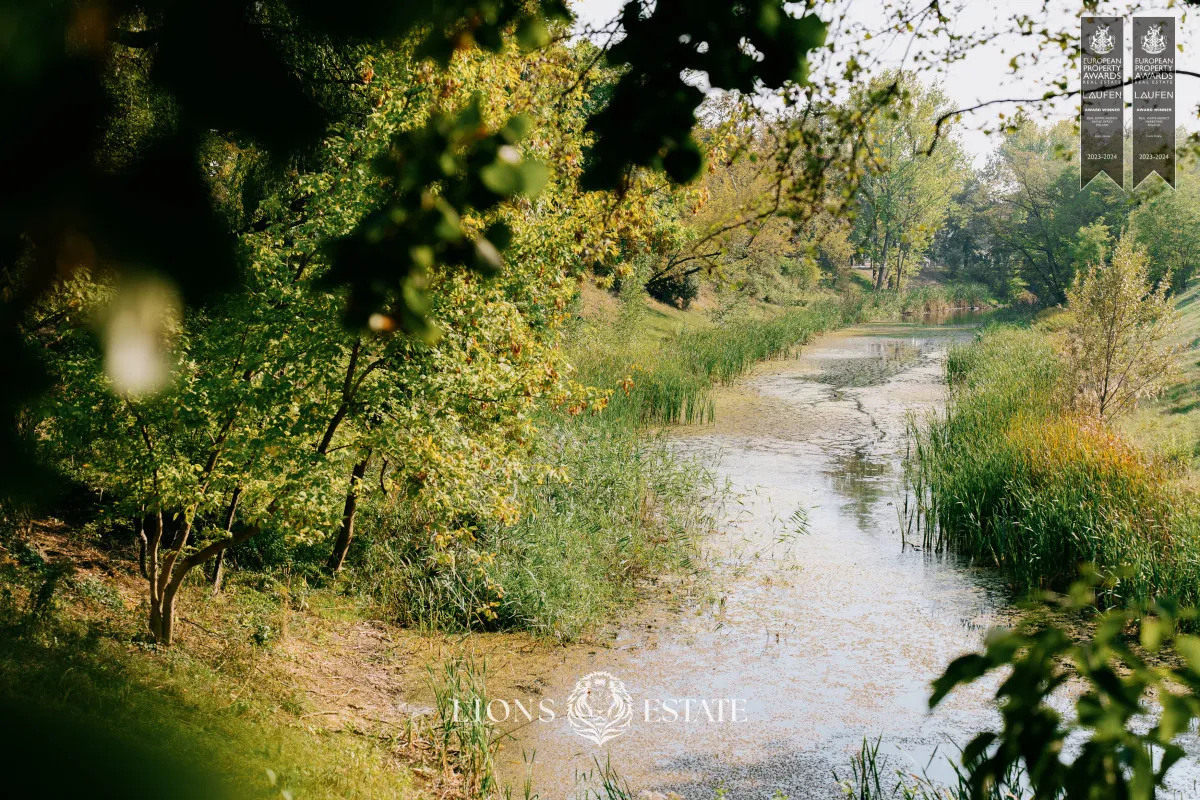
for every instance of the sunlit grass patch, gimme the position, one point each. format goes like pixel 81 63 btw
pixel 183 721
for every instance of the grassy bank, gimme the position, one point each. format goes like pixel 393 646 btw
pixel 1013 477
pixel 670 380
pixel 622 509
pixel 227 713
pixel 1170 425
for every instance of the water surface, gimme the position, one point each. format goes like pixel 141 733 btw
pixel 817 618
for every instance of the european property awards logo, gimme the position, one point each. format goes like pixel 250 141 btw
pixel 1154 42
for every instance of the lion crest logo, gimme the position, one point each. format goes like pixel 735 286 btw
pixel 599 708
pixel 1154 42
pixel 1102 41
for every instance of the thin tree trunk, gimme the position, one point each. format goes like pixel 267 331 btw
pixel 139 524
pixel 152 541
pixel 218 576
pixel 346 531
pixel 164 580
pixel 167 615
pixel 166 577
pixel 882 273
pixel 162 609
pixel 219 569
pixel 347 395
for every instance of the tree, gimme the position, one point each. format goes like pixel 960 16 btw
pixel 265 406
pixel 1115 343
pixel 966 245
pixel 774 208
pixel 905 198
pixel 1039 207
pixel 272 80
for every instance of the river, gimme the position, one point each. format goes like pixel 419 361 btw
pixel 818 627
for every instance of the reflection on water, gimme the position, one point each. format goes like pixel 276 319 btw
pixel 883 359
pixel 862 479
pixel 831 636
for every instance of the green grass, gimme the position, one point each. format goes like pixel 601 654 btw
pixel 1170 425
pixel 629 510
pixel 1012 477
pixel 140 722
pixel 670 379
pixel 462 732
pixel 873 776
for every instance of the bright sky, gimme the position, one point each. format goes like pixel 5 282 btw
pixel 984 74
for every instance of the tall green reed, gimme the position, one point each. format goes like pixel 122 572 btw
pixel 1010 475
pixel 628 508
pixel 930 299
pixel 463 734
pixel 872 777
pixel 670 381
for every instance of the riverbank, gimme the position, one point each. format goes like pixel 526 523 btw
pixel 284 677
pixel 937 298
pixel 611 505
pixel 1012 477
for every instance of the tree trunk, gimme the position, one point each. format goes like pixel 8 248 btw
pixel 167 614
pixel 218 576
pixel 150 543
pixel 139 525
pixel 167 576
pixel 882 273
pixel 162 594
pixel 219 568
pixel 346 532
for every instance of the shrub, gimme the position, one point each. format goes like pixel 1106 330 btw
pixel 615 504
pixel 1116 339
pixel 625 508
pixel 804 271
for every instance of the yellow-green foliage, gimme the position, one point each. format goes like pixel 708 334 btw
pixel 1116 339
pixel 618 506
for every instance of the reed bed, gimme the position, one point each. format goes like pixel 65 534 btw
pixel 875 776
pixel 1010 475
pixel 462 733
pixel 933 299
pixel 671 381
